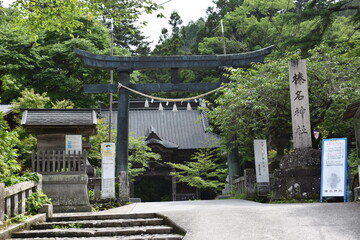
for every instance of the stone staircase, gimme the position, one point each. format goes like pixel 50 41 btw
pixel 98 226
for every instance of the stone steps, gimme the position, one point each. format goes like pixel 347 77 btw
pixel 134 237
pixel 100 223
pixel 98 226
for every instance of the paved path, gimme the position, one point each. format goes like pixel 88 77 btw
pixel 240 219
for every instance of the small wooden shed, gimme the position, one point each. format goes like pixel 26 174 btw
pixel 63 138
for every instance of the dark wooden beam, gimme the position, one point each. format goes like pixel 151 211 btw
pixel 120 63
pixel 154 87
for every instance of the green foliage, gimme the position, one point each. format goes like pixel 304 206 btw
pixel 256 102
pixel 101 206
pixel 8 153
pixel 30 99
pixel 14 179
pixel 205 171
pixel 36 201
pixel 65 16
pixel 17 219
pixel 140 156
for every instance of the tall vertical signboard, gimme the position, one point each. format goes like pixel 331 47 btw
pixel 261 166
pixel 107 170
pixel 333 168
pixel 300 112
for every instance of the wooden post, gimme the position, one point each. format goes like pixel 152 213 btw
pixel 300 111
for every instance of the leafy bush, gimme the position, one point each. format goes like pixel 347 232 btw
pixel 36 201
pixel 14 179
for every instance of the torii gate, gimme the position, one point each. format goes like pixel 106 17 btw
pixel 125 65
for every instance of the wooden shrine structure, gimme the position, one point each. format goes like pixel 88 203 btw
pixel 125 65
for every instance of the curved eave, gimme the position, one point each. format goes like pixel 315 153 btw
pixel 167 62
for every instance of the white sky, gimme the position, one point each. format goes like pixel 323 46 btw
pixel 189 10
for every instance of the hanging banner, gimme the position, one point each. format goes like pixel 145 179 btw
pixel 333 168
pixel 73 143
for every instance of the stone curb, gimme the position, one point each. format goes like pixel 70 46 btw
pixel 6 233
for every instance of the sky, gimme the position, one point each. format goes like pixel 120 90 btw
pixel 189 10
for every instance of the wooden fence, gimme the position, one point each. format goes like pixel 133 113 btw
pixel 58 162
pixel 12 199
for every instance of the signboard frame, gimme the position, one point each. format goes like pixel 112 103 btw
pixel 261 166
pixel 334 169
pixel 108 152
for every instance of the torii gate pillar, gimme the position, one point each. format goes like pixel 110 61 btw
pixel 121 169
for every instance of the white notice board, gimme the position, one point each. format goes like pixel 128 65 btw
pixel 107 170
pixel 333 168
pixel 261 161
pixel 73 143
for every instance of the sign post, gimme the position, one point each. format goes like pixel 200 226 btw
pixel 300 113
pixel 261 166
pixel 333 168
pixel 107 170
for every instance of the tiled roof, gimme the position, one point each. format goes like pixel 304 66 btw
pixel 5 108
pixel 59 117
pixel 186 129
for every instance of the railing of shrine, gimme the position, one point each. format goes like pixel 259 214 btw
pixel 13 198
pixel 246 183
pixel 58 162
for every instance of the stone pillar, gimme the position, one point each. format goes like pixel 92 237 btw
pixel 2 202
pixel 124 193
pixel 122 143
pixel 233 162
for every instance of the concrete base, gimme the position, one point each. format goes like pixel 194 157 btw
pixel 124 190
pixel 67 192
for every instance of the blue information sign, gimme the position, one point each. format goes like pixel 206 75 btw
pixel 333 168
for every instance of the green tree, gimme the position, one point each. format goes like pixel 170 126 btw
pixel 170 45
pixel 65 16
pixel 256 103
pixel 205 171
pixel 8 152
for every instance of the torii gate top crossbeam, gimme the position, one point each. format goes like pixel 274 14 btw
pixel 168 62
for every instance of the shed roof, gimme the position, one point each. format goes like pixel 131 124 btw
pixel 59 117
pixel 184 129
pixel 351 110
pixel 5 108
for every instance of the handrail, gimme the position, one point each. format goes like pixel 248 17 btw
pixel 13 198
